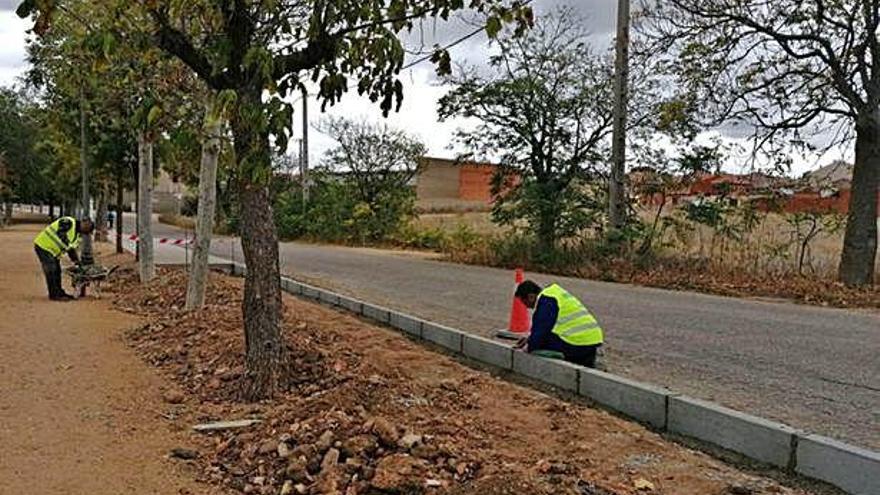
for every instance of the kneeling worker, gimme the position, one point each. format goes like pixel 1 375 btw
pixel 560 323
pixel 60 237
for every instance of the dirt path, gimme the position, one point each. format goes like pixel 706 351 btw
pixel 79 412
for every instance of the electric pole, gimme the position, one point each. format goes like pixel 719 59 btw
pixel 616 190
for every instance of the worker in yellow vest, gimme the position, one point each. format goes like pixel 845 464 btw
pixel 561 325
pixel 61 237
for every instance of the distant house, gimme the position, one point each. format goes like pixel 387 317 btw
pixel 824 190
pixel 168 194
pixel 444 184
pixel 734 188
pixel 836 175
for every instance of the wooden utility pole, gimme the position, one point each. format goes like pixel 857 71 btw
pixel 616 189
pixel 304 152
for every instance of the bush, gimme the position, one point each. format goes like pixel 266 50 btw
pixel 334 215
pixel 189 207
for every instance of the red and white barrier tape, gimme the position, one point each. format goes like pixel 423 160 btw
pixel 160 240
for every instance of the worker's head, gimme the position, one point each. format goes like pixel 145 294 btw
pixel 85 226
pixel 527 292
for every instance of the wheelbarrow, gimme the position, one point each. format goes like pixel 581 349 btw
pixel 83 276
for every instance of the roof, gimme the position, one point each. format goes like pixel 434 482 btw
pixel 834 173
pixel 457 162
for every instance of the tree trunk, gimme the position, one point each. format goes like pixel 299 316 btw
pixel 117 224
pixel 547 231
pixel 136 177
pixel 261 307
pixel 858 258
pixel 195 290
pixel 7 213
pixel 146 266
pixel 101 216
pixel 87 257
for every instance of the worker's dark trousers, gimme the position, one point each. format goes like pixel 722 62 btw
pixel 586 356
pixel 52 270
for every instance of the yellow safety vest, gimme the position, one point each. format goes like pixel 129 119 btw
pixel 575 325
pixel 51 241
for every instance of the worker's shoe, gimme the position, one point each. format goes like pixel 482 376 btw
pixel 62 297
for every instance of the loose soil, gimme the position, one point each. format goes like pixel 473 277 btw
pixel 81 413
pixel 370 412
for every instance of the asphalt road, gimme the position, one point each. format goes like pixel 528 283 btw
pixel 810 367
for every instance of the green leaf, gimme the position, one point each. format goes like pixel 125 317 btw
pixel 493 26
pixel 26 8
pixel 154 115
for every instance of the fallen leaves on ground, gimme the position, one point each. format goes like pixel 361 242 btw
pixel 370 413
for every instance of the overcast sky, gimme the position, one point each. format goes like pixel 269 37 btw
pixel 418 114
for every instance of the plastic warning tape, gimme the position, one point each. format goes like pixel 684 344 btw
pixel 161 240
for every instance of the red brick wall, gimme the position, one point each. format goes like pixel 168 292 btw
pixel 812 202
pixel 475 182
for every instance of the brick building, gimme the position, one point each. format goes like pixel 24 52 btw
pixel 444 184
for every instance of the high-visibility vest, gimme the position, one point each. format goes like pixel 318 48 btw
pixel 575 325
pixel 51 241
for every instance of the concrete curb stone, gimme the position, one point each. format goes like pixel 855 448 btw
pixel 239 269
pixel 640 401
pixel 328 297
pixel 751 436
pixel 406 323
pixel 290 286
pixel 550 371
pixel 311 292
pixel 487 351
pixel 854 469
pixel 377 313
pixel 353 305
pixel 443 336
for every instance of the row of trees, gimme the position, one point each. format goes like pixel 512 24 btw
pixel 250 54
pixel 799 77
pixel 211 76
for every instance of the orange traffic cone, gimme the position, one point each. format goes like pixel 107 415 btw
pixel 520 324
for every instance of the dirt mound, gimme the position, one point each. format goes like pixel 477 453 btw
pixel 369 412
pixel 204 348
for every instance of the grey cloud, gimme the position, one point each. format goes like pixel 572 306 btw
pixel 598 17
pixel 8 5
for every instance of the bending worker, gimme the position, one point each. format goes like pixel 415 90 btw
pixel 561 324
pixel 60 237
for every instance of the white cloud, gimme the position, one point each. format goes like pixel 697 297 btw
pixel 12 47
pixel 417 115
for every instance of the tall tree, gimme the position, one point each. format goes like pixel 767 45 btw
pixel 23 162
pixel 797 73
pixel 545 108
pixel 260 51
pixel 378 158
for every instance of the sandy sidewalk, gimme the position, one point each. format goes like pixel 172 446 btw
pixel 80 412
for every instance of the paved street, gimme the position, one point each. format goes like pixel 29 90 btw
pixel 814 368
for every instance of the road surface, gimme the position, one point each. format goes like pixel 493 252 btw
pixel 810 367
